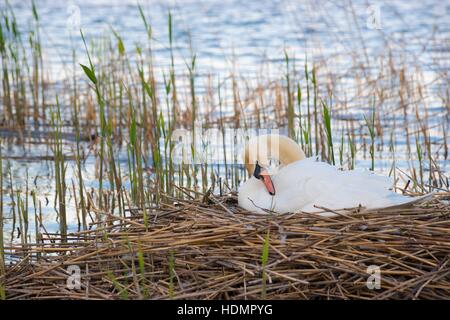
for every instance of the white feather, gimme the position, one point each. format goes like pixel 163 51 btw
pixel 303 185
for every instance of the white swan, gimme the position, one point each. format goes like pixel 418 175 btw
pixel 283 180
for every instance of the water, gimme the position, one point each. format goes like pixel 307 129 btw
pixel 249 38
pixel 253 31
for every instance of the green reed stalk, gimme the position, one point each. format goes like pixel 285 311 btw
pixel 222 127
pixel 172 68
pixel 300 122
pixel 371 126
pixel 148 28
pixel 18 82
pixel 137 173
pixel 38 72
pixel 163 155
pixel 290 104
pixel 307 132
pixel 140 171
pixel 132 156
pixel 60 171
pixel 13 202
pixel 114 178
pixel 120 288
pixel 131 166
pixel 22 215
pixel 341 150
pixel 352 148
pixel 5 79
pixel 141 263
pixel 150 87
pixel 327 122
pixel 150 90
pixel 168 144
pixel 316 121
pixel 192 75
pixel 90 72
pixel 36 220
pixel 156 135
pixel 78 137
pixel 393 172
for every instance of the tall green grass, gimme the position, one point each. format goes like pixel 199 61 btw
pixel 290 104
pixel 370 122
pixel 76 121
pixel 90 73
pixel 329 133
pixel 60 171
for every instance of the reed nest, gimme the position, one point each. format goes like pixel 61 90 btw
pixel 212 249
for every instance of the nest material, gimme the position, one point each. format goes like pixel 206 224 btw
pixel 201 250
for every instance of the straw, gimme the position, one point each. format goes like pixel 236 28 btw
pixel 191 250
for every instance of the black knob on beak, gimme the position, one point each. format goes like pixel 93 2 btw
pixel 257 172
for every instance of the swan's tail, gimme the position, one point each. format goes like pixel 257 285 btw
pixel 406 202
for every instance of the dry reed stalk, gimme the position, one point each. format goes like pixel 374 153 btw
pixel 216 247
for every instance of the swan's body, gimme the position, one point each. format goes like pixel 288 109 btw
pixel 305 184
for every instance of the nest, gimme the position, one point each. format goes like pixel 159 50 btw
pixel 211 249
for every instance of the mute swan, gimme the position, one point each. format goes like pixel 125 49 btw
pixel 283 180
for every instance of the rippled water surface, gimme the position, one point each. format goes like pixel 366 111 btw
pixel 253 31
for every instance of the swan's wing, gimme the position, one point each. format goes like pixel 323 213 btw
pixel 305 184
pixel 324 185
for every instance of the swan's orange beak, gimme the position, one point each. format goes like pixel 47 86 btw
pixel 267 182
pixel 262 174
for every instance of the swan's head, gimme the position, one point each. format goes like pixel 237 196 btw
pixel 265 154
